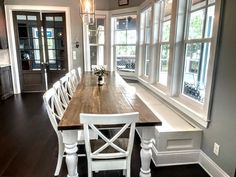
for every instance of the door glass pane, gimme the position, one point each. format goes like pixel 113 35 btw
pixel 58 19
pixel 32 18
pixel 20 17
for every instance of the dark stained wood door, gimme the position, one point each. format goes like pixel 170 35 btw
pixel 29 50
pixel 41 49
pixel 55 46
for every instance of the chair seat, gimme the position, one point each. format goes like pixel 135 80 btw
pixel 121 142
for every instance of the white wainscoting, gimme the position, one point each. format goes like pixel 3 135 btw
pixel 184 157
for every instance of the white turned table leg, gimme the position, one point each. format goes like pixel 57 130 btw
pixel 146 152
pixel 70 141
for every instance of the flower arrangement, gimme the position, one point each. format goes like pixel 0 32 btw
pixel 99 71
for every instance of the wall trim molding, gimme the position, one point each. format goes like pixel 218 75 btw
pixel 210 166
pixel 185 157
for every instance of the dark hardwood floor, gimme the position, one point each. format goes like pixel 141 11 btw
pixel 28 145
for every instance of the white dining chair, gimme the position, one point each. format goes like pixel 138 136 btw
pixel 74 78
pixel 66 86
pixel 71 83
pixel 55 112
pixel 62 95
pixel 109 153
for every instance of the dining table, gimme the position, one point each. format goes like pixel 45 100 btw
pixel 115 96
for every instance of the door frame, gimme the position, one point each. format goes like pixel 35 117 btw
pixel 11 36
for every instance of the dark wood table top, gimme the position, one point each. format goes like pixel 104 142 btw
pixel 115 96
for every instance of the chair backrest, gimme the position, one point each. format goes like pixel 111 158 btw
pixel 71 84
pixel 66 86
pixel 79 73
pixel 110 147
pixel 53 107
pixel 74 78
pixel 63 97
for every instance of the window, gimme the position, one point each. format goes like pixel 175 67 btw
pixel 145 40
pixel 125 38
pixel 198 37
pixel 177 53
pixel 97 41
pixel 164 41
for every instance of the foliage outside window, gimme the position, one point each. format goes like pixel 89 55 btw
pixel 125 37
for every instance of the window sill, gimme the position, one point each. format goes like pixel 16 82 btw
pixel 187 109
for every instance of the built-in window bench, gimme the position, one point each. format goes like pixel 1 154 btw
pixel 176 141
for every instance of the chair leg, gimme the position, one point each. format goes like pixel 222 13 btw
pixel 59 157
pixel 128 168
pixel 124 172
pixel 90 172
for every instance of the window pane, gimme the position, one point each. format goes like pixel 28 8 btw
pixel 96 32
pixel 147 35
pixel 210 19
pixel 101 37
pixel 196 4
pixel 120 37
pixel 125 58
pixel 195 70
pixel 96 55
pixel 211 1
pixel 164 58
pixel 147 60
pixel 131 22
pixel 166 31
pixel 168 8
pixel 121 23
pixel 131 37
pixel 196 24
pixel 92 37
pixel 148 18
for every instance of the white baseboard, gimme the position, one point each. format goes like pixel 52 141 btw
pixel 210 166
pixel 184 157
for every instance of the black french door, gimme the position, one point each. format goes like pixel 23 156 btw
pixel 41 49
